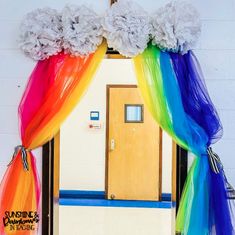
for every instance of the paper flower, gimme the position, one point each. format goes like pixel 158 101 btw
pixel 176 27
pixel 82 30
pixel 127 28
pixel 40 35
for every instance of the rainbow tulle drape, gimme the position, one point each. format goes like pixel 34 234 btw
pixel 176 95
pixel 174 92
pixel 54 88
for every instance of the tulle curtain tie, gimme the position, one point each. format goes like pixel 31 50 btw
pixel 217 167
pixel 23 150
pixel 214 160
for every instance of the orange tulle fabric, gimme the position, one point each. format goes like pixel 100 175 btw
pixel 20 194
pixel 55 87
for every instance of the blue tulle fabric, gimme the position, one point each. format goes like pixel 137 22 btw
pixel 207 209
pixel 197 198
pixel 199 218
pixel 221 208
pixel 184 126
pixel 197 102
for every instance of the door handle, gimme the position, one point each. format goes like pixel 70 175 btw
pixel 112 144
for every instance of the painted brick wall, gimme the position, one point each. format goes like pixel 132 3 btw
pixel 216 52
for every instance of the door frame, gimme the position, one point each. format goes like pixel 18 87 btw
pixel 108 87
pixel 51 174
pixel 51 171
pixel 50 186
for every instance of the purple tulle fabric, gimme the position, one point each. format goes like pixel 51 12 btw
pixel 199 107
pixel 221 208
pixel 196 100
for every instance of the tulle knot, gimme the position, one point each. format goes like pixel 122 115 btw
pixel 23 150
pixel 214 160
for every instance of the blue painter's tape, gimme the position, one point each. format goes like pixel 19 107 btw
pixel 166 197
pixel 113 203
pixel 97 198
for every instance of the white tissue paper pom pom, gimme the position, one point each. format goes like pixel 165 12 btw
pixel 127 28
pixel 40 35
pixel 82 30
pixel 176 27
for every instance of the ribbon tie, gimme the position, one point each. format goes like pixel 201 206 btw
pixel 217 166
pixel 23 156
pixel 214 160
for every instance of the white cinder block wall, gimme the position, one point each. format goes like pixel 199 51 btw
pixel 216 52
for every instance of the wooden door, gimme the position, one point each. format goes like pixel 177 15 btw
pixel 133 147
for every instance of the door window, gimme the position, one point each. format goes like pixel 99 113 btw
pixel 134 113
